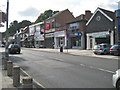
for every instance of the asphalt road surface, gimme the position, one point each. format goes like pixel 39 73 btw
pixel 58 70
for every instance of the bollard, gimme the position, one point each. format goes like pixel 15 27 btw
pixel 27 83
pixel 9 68
pixel 61 49
pixel 7 55
pixel 5 63
pixel 16 76
pixel 3 55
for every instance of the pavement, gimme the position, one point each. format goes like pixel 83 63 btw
pixel 7 82
pixel 75 52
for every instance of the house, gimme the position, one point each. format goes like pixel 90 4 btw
pixel 101 28
pixel 55 29
pixel 39 35
pixel 76 30
pixel 36 35
pixel 23 36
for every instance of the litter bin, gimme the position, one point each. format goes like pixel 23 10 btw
pixel 61 49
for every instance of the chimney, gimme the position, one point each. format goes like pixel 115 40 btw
pixel 88 14
pixel 82 16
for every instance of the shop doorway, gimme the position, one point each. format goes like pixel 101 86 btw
pixel 76 42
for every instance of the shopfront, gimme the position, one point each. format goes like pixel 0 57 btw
pixel 99 37
pixel 49 38
pixel 77 40
pixel 60 39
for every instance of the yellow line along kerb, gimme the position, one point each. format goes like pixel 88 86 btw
pixel 33 79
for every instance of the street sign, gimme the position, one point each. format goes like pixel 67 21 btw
pixel 6 40
pixel 118 25
pixel 118 13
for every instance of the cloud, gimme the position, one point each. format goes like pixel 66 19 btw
pixel 29 12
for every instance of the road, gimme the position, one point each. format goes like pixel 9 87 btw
pixel 58 70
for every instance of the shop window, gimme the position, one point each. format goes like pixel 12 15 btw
pixel 76 41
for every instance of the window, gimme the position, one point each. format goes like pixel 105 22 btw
pixel 53 25
pixel 74 26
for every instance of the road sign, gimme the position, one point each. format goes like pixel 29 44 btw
pixel 6 40
pixel 118 25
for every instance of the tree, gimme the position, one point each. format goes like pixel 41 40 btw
pixel 24 23
pixel 45 15
pixel 15 25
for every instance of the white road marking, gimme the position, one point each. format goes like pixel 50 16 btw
pixel 100 69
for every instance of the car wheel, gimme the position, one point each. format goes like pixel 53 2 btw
pixel 95 53
pixel 105 52
pixel 116 53
pixel 118 85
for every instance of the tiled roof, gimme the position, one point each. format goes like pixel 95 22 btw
pixel 56 14
pixel 109 13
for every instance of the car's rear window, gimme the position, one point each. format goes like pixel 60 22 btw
pixel 16 46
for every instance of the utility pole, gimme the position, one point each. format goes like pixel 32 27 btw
pixel 7 13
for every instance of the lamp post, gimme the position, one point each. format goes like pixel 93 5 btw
pixel 7 13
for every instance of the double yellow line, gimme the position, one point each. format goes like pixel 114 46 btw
pixel 33 79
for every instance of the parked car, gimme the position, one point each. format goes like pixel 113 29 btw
pixel 115 50
pixel 14 48
pixel 116 79
pixel 103 48
pixel 95 49
pixel 2 45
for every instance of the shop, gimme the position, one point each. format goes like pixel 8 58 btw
pixel 100 28
pixel 99 37
pixel 60 39
pixel 49 38
pixel 76 40
pixel 39 36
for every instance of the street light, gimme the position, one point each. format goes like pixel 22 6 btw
pixel 7 12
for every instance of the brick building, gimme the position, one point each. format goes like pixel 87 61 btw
pixel 55 29
pixel 76 30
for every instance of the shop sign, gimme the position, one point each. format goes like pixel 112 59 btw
pixel 39 38
pixel 50 30
pixel 38 28
pixel 75 34
pixel 118 13
pixel 47 26
pixel 59 34
pixel 31 30
pixel 101 36
pixel 119 25
pixel 49 35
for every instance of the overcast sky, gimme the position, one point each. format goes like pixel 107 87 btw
pixel 30 9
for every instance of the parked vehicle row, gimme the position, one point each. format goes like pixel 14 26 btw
pixel 105 48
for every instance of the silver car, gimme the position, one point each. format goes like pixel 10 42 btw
pixel 116 79
pixel 102 48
